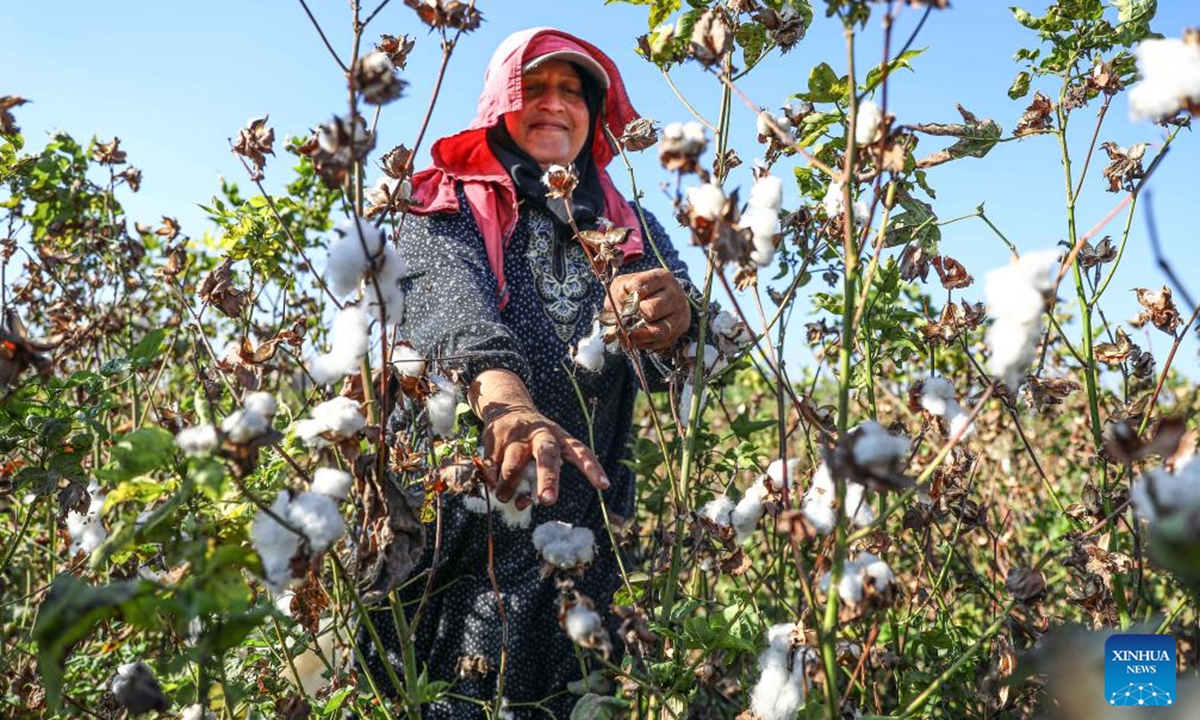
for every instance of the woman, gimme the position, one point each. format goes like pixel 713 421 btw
pixel 498 280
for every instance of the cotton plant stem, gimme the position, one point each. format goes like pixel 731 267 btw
pixel 1086 348
pixel 365 618
pixel 287 656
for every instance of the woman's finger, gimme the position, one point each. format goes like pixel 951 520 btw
pixel 516 457
pixel 581 457
pixel 549 466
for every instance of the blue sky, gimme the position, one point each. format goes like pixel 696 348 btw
pixel 176 79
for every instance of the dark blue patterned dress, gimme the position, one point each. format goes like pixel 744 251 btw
pixel 451 311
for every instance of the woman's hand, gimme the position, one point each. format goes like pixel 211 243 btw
pixel 662 302
pixel 515 434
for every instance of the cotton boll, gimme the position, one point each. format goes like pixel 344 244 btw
pixel 818 503
pixel 780 691
pixel 693 132
pixel 329 368
pixel 861 211
pixel 341 416
pixel 718 510
pixel 857 508
pixel 332 482
pixel 589 353
pixel 262 403
pixel 876 447
pixel 311 432
pixel 1170 70
pixel 86 530
pixel 137 690
pixel 779 477
pixel 564 545
pixel 685 403
pixel 390 269
pixel 197 441
pixel 309 665
pixel 726 324
pixel 442 405
pixel 275 544
pixel 866 124
pixel 407 361
pixel 350 335
pixel 1172 491
pixel 509 513
pixel 960 425
pixel 197 712
pixel 1016 300
pixel 706 201
pixel 347 260
pixel 243 426
pixel 745 515
pixel 583 623
pixel 317 516
pixel 938 397
pixel 766 194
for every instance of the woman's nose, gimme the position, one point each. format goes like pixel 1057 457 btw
pixel 552 100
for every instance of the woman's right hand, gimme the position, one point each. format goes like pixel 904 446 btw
pixel 515 434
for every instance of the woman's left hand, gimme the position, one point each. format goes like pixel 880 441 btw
pixel 663 305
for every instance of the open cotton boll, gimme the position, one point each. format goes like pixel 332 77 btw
pixel 707 201
pixel 875 446
pixel 867 122
pixel 1170 70
pixel 341 416
pixel 693 132
pixel 938 397
pixel 244 425
pixel 763 225
pixel 317 516
pixel 685 402
pixel 349 339
pixel 275 544
pixel 388 273
pixel 766 194
pixel 137 690
pixel 262 403
pixel 332 482
pixel 407 361
pixel 86 530
pixel 198 440
pixel 589 353
pixel 563 545
pixel 1172 491
pixel 1016 298
pixel 718 510
pixel 819 500
pixel 583 623
pixel 783 680
pixel 356 241
pixel 745 515
pixel 713 362
pixel 779 477
pixel 442 405
pixel 309 665
pixel 509 513
pixel 197 712
pixel 857 573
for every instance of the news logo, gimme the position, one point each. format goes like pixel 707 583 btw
pixel 1139 670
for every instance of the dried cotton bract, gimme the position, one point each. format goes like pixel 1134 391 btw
pixel 681 146
pixel 563 545
pixel 1170 70
pixel 786 674
pixel 1016 299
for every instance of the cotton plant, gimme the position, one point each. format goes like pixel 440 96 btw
pixel 938 398
pixel 313 513
pixel 510 514
pixel 331 421
pixel 868 124
pixel 244 426
pixel 407 361
pixel 1168 500
pixel 589 353
pixel 786 670
pixel 585 627
pixel 137 690
pixel 1170 71
pixel 1016 300
pixel 744 515
pixel 564 546
pixel 442 405
pixel 86 529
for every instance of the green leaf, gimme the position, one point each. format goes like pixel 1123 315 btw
pixel 752 38
pixel 599 707
pixel 149 347
pixel 1134 18
pixel 138 453
pixel 660 10
pixel 1027 19
pixel 875 75
pixel 824 85
pixel 917 224
pixel 743 426
pixel 1020 86
pixel 70 611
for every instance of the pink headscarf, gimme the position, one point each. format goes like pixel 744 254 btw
pixel 465 156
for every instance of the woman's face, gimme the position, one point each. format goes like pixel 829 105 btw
pixel 552 125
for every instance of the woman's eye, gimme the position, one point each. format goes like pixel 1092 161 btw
pixel 531 90
pixel 573 92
